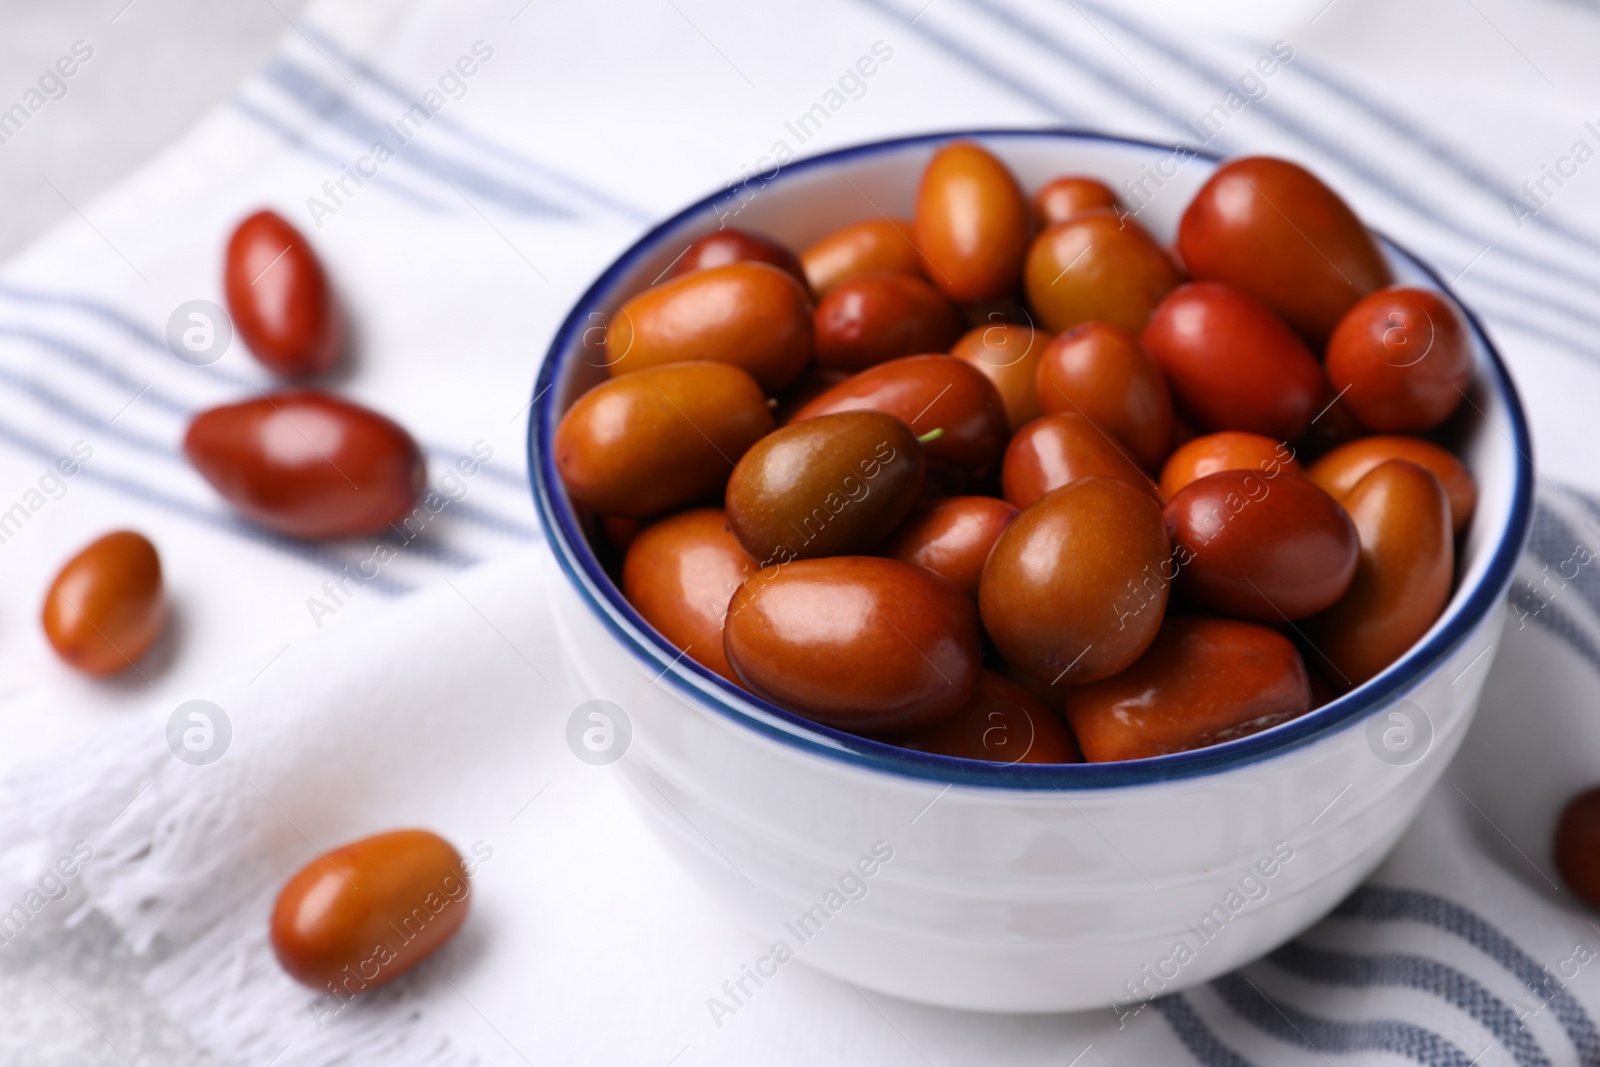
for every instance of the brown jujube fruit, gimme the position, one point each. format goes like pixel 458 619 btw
pixel 1064 197
pixel 834 485
pixel 1002 723
pixel 1402 581
pixel 1232 364
pixel 873 318
pixel 1271 229
pixel 362 915
pixel 753 316
pixel 1056 450
pixel 871 245
pixel 971 224
pixel 308 465
pixel 1340 470
pixel 279 298
pixel 1261 548
pixel 1008 355
pixel 1577 846
pixel 1401 359
pixel 865 644
pixel 1230 450
pixel 106 606
pixel 1203 681
pixel 929 393
pixel 652 441
pixel 1097 266
pixel 952 538
pixel 680 573
pixel 1075 588
pixel 722 247
pixel 1101 372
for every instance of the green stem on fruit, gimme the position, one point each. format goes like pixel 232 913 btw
pixel 931 436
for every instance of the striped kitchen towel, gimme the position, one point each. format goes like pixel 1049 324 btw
pixel 465 170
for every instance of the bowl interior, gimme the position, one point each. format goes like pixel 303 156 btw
pixel 812 197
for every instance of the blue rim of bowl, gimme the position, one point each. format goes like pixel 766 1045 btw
pixel 579 564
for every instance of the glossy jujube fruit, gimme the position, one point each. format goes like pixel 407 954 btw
pixel 1069 195
pixel 1402 581
pixel 873 318
pixel 751 315
pixel 1203 681
pixel 952 538
pixel 1340 470
pixel 1232 364
pixel 1271 229
pixel 649 442
pixel 279 298
pixel 106 606
pixel 1097 266
pixel 1231 450
pixel 1075 588
pixel 1056 450
pixel 1101 372
pixel 834 485
pixel 1577 846
pixel 1007 354
pixel 365 913
pixel 872 245
pixel 307 464
pixel 929 393
pixel 1259 547
pixel 1401 359
pixel 865 644
pixel 1002 723
pixel 736 246
pixel 971 224
pixel 680 574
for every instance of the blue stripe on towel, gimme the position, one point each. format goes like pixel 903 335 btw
pixel 1529 607
pixel 154 497
pixel 337 111
pixel 1196 1036
pixel 1557 545
pixel 1417 972
pixel 80 416
pixel 96 309
pixel 1351 92
pixel 992 71
pixel 376 78
pixel 1296 125
pixel 295 139
pixel 1064 48
pixel 1316 1034
pixel 97 364
pixel 1391 904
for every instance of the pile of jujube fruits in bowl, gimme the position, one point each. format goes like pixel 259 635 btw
pixel 1011 481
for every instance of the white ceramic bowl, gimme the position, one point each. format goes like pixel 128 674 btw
pixel 1027 887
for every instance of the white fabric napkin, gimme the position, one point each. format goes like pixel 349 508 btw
pixel 435 694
